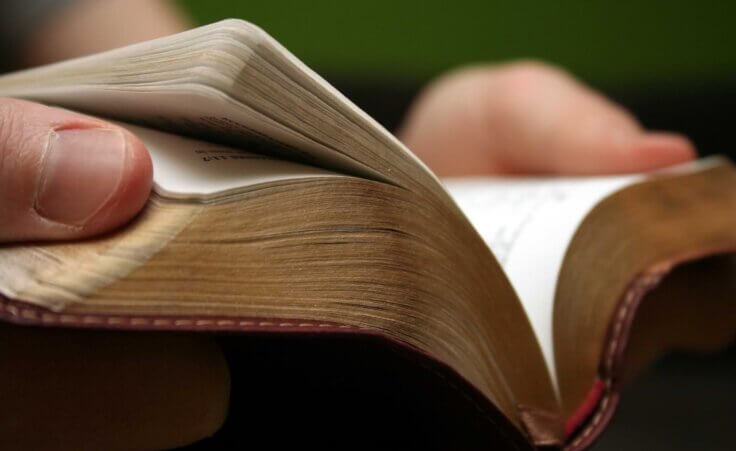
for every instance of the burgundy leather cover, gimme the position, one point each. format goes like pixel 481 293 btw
pixel 596 411
pixel 302 383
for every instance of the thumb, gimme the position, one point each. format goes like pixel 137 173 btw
pixel 64 175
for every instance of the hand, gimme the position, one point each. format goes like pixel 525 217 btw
pixel 528 117
pixel 64 175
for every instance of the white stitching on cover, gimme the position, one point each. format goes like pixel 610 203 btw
pixel 639 287
pixel 50 318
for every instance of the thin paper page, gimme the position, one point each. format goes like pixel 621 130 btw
pixel 529 222
pixel 185 168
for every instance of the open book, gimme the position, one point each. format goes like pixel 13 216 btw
pixel 279 207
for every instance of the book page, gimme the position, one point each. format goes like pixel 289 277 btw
pixel 529 222
pixel 203 112
pixel 185 168
pixel 230 83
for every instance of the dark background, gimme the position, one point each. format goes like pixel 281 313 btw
pixel 672 63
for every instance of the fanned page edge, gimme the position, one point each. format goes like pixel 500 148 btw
pixel 36 84
pixel 368 121
pixel 205 80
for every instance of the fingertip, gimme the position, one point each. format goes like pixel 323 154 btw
pixel 629 152
pixel 66 175
pixel 655 150
pixel 141 166
pixel 133 190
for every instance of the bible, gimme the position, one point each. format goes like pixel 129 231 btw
pixel 284 217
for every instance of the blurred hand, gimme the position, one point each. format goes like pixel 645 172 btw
pixel 528 117
pixel 64 175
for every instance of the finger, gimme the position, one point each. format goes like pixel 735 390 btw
pixel 87 389
pixel 64 175
pixel 529 117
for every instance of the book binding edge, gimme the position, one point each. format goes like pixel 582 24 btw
pixel 24 314
pixel 589 420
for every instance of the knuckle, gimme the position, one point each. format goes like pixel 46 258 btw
pixel 6 126
pixel 18 158
pixel 531 72
pixel 11 125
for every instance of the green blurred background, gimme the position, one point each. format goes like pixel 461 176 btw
pixel 606 43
